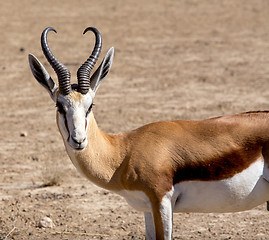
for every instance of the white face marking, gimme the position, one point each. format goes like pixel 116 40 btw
pixel 244 191
pixel 73 119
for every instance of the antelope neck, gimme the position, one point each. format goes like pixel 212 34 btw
pixel 101 160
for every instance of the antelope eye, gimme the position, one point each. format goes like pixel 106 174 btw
pixel 60 108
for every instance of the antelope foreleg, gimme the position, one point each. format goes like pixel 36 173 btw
pixel 150 228
pixel 162 216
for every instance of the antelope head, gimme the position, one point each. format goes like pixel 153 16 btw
pixel 74 102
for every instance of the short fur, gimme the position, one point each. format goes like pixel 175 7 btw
pixel 158 167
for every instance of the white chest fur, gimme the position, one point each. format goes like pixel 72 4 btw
pixel 137 199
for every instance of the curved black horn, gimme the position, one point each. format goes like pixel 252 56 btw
pixel 61 70
pixel 84 71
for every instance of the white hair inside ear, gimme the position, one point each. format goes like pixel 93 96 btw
pixel 102 71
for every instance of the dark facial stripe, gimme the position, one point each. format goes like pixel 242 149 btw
pixel 66 126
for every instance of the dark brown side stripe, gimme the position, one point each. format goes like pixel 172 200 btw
pixel 223 166
pixel 230 148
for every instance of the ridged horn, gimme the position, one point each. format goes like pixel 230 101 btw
pixel 83 73
pixel 61 70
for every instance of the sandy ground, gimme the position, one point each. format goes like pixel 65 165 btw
pixel 184 59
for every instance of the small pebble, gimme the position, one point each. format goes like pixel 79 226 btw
pixel 23 134
pixel 45 222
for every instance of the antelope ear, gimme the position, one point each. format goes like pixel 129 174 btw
pixel 42 76
pixel 102 70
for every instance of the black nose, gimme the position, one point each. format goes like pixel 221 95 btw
pixel 78 142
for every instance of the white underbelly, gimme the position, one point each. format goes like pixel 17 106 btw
pixel 243 191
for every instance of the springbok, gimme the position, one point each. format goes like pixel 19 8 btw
pixel 214 165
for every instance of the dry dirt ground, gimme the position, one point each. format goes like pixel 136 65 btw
pixel 184 59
